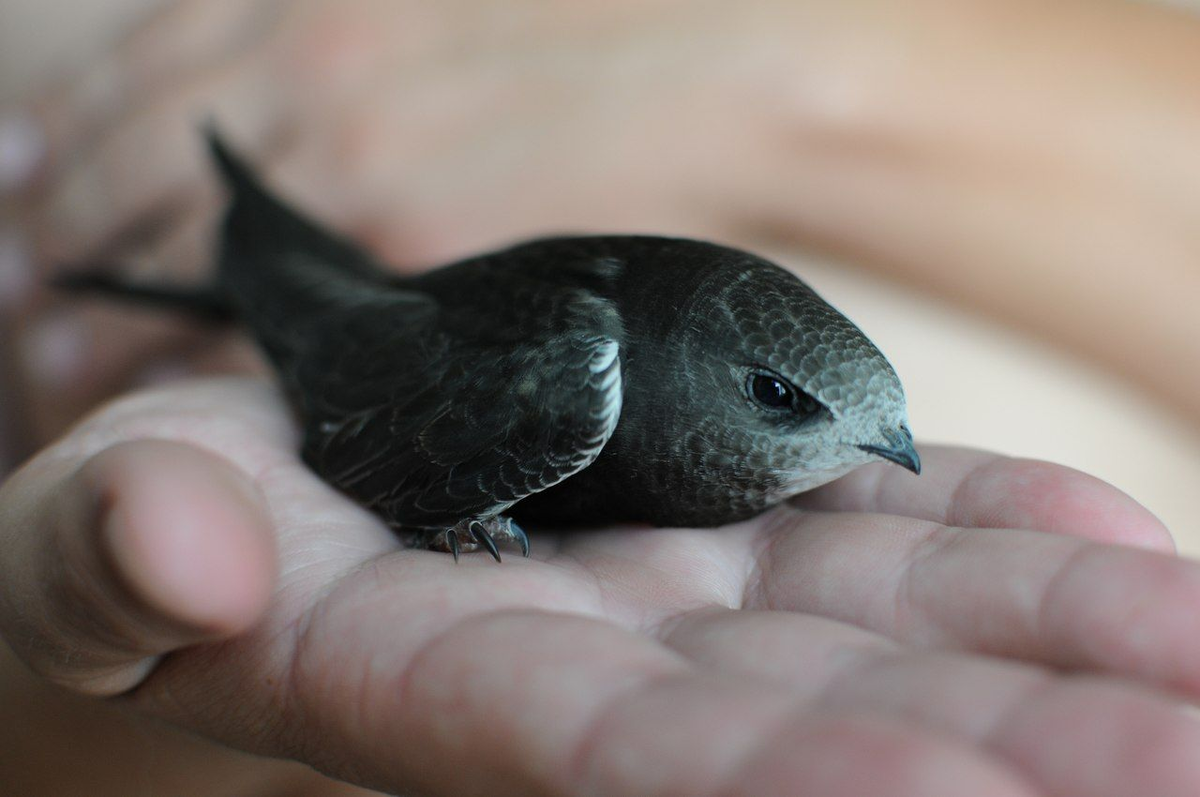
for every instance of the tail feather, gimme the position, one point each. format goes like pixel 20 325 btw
pixel 256 280
pixel 201 303
pixel 258 224
pixel 234 170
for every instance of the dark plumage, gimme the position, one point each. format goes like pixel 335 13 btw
pixel 567 380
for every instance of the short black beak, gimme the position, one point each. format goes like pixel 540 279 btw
pixel 897 446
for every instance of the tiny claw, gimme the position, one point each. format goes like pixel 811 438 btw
pixel 520 536
pixel 452 542
pixel 483 538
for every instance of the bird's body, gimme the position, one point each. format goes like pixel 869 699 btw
pixel 568 380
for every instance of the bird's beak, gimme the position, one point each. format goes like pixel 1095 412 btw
pixel 897 446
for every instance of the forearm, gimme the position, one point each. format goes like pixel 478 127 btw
pixel 1037 160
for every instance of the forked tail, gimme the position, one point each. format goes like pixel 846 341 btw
pixel 200 303
pixel 273 265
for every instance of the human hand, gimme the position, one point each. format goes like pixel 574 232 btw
pixel 928 143
pixel 424 130
pixel 861 645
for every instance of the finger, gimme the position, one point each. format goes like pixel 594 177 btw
pixel 1018 712
pixel 1049 598
pixel 962 487
pixel 143 548
pixel 547 703
pixel 151 164
pixel 171 48
pixel 863 755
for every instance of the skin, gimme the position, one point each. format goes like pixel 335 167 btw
pixel 868 619
pixel 237 596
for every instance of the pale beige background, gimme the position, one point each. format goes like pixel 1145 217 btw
pixel 969 381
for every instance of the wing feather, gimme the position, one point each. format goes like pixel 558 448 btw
pixel 434 418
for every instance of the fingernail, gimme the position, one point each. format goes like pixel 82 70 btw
pixel 22 147
pixel 16 271
pixel 53 350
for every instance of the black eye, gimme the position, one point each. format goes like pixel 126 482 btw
pixel 770 391
pixel 776 393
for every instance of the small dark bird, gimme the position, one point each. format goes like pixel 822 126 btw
pixel 568 381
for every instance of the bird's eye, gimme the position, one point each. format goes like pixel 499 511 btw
pixel 773 392
pixel 770 391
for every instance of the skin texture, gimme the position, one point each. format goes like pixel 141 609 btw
pixel 806 652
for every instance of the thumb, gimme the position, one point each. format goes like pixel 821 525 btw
pixel 141 549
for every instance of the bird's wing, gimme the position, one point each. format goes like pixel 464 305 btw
pixel 430 416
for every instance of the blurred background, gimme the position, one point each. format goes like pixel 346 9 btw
pixel 971 381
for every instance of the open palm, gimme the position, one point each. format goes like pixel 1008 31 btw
pixel 893 636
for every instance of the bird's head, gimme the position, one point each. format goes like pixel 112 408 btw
pixel 780 392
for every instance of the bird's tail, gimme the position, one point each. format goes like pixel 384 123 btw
pixel 235 172
pixel 249 270
pixel 205 303
pixel 201 303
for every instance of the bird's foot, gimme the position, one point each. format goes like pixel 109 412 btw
pixel 473 534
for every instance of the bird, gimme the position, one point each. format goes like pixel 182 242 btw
pixel 570 381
